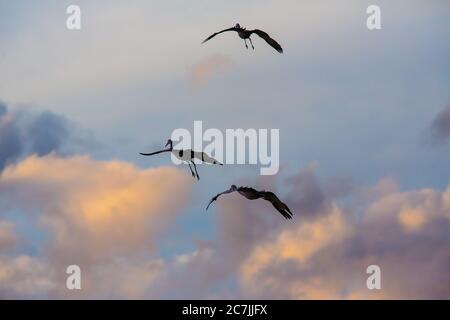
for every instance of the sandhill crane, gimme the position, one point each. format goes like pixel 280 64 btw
pixel 253 194
pixel 245 34
pixel 187 156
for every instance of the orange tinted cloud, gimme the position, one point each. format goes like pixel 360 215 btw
pixel 101 215
pixel 206 68
pixel 311 237
pixel 412 219
pixel 103 207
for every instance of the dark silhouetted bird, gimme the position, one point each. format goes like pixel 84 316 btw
pixel 187 156
pixel 245 34
pixel 253 194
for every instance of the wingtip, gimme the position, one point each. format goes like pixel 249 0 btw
pixel 288 215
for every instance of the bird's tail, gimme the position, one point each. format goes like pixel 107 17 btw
pixel 207 159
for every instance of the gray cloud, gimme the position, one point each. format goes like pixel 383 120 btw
pixel 440 127
pixel 307 196
pixel 26 132
pixel 47 133
pixel 11 144
pixel 312 196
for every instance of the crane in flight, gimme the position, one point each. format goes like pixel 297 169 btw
pixel 253 194
pixel 245 34
pixel 187 155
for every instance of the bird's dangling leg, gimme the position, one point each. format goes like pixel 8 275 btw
pixel 192 171
pixel 251 43
pixel 195 167
pixel 245 41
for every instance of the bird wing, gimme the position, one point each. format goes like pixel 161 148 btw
pixel 250 193
pixel 269 40
pixel 280 206
pixel 153 153
pixel 217 196
pixel 215 34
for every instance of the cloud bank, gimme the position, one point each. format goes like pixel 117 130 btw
pixel 106 216
pixel 103 216
pixel 325 252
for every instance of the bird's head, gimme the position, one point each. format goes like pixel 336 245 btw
pixel 237 26
pixel 233 187
pixel 169 143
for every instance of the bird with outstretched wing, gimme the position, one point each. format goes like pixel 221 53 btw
pixel 253 194
pixel 245 34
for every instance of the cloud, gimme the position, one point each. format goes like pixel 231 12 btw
pixel 47 133
pixel 405 233
pixel 323 253
pixel 11 144
pixel 25 132
pixel 108 207
pixel 206 68
pixel 24 276
pixel 8 237
pixel 440 127
pixel 296 244
pixel 307 194
pixel 102 215
pixel 109 221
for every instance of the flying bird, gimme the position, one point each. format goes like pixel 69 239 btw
pixel 187 155
pixel 245 34
pixel 253 194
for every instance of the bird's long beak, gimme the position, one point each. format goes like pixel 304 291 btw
pixel 153 153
